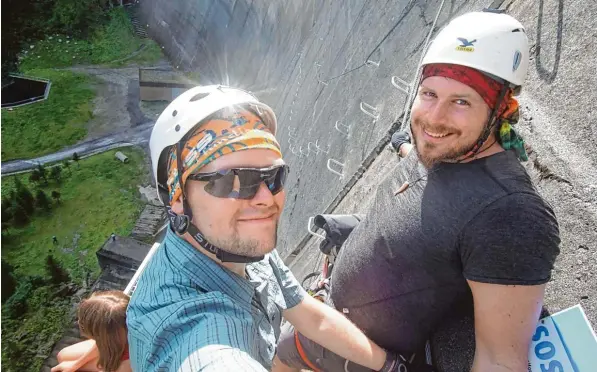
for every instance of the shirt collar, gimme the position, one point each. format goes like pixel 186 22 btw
pixel 205 272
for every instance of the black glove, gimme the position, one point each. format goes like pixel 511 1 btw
pixel 398 139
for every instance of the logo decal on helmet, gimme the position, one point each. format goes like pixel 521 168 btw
pixel 517 59
pixel 467 46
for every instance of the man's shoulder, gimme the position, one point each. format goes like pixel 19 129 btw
pixel 505 171
pixel 520 213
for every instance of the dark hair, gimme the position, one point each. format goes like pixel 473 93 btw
pixel 102 317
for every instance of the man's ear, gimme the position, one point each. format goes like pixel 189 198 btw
pixel 177 207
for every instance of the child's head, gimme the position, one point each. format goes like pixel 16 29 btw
pixel 102 317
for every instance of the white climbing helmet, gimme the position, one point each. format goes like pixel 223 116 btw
pixel 188 111
pixel 494 43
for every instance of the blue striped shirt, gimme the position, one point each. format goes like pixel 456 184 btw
pixel 188 313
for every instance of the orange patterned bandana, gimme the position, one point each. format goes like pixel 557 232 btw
pixel 223 134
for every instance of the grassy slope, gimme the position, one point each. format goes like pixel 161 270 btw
pixel 108 45
pixel 44 127
pixel 100 197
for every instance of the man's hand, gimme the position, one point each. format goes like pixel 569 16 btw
pixel 332 330
pixel 398 140
pixel 505 319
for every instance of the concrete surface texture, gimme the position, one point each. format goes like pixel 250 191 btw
pixel 116 106
pixel 308 61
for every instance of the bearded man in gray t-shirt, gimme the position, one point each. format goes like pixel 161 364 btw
pixel 458 221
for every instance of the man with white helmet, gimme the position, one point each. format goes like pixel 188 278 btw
pixel 458 222
pixel 213 295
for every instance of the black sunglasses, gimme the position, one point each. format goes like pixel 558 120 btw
pixel 222 184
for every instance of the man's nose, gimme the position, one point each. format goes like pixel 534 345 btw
pixel 263 197
pixel 438 113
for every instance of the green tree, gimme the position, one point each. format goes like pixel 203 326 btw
pixel 77 17
pixel 66 165
pixel 7 212
pixel 28 21
pixel 16 305
pixel 56 196
pixel 35 176
pixel 55 271
pixel 42 172
pixel 42 201
pixel 20 217
pixel 56 173
pixel 9 283
pixel 24 197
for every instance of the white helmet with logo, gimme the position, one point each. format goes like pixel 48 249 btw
pixel 494 43
pixel 188 111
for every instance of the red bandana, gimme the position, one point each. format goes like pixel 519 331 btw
pixel 488 88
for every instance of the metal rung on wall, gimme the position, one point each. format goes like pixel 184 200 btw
pixel 401 84
pixel 301 151
pixel 317 148
pixel 369 110
pixel 291 133
pixel 294 151
pixel 337 163
pixel 345 131
pixel 317 66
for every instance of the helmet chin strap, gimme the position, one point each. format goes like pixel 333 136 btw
pixel 182 224
pixel 488 127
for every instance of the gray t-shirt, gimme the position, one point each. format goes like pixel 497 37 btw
pixel 404 268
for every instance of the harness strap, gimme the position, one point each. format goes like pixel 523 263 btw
pixel 302 353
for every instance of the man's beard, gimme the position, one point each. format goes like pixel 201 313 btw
pixel 246 246
pixel 428 154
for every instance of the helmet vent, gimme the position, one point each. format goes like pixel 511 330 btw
pixel 177 127
pixel 174 113
pixel 518 30
pixel 199 96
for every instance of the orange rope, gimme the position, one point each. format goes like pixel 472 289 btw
pixel 302 353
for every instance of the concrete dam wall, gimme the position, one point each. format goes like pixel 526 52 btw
pixel 281 50
pixel 326 67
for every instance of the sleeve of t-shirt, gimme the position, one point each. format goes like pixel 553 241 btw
pixel 513 241
pixel 291 289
